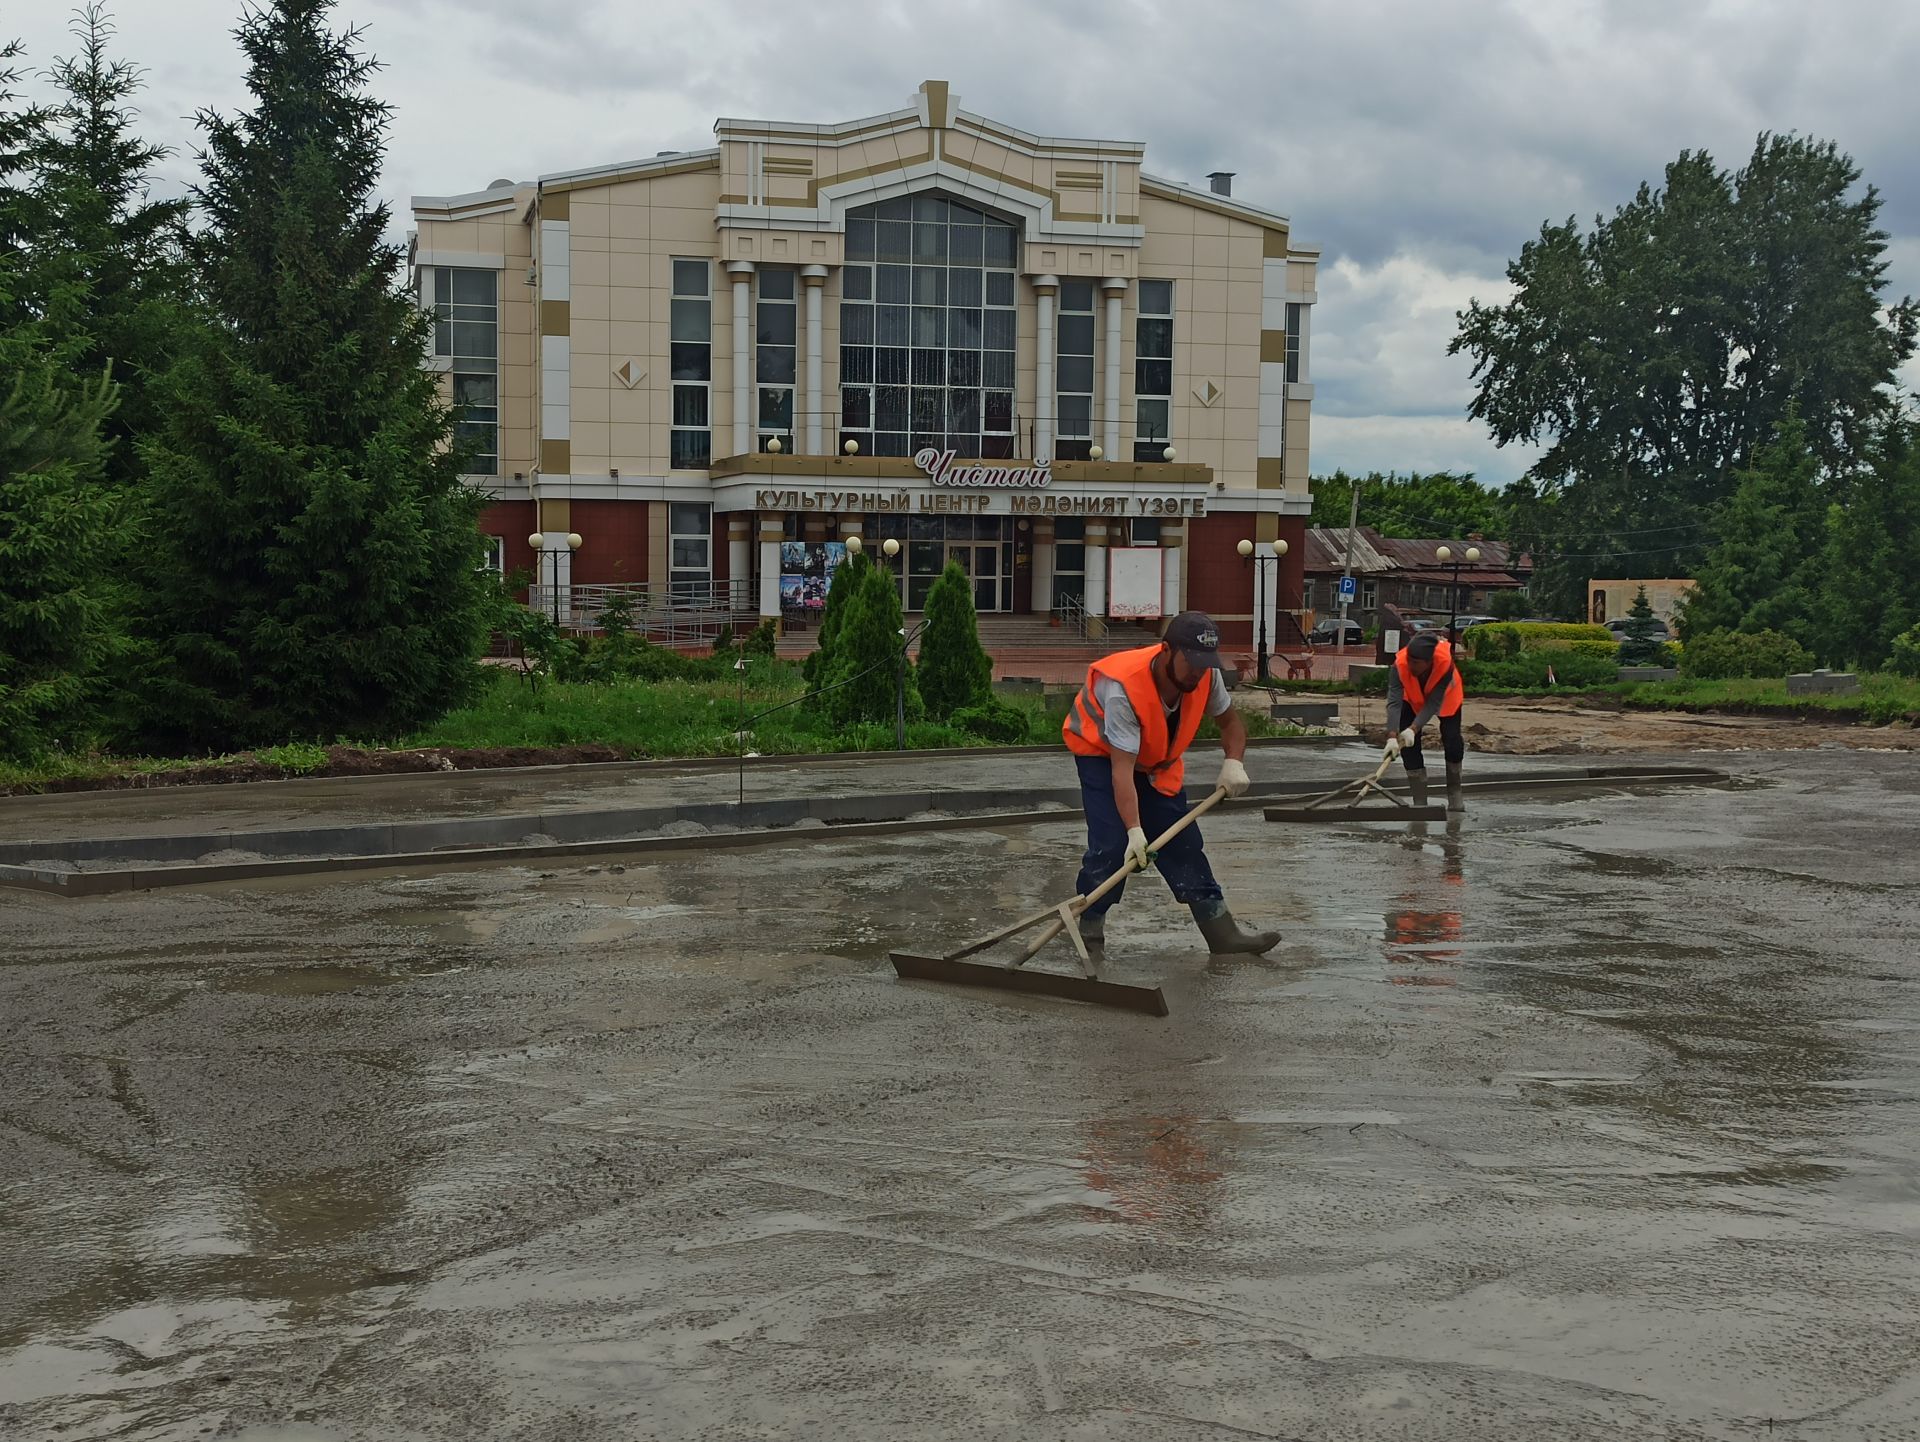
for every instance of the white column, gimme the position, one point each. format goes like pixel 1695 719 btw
pixel 740 272
pixel 1171 550
pixel 739 559
pixel 1096 568
pixel 1042 567
pixel 1116 289
pixel 815 277
pixel 1045 288
pixel 770 567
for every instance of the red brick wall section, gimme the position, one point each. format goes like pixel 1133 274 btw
pixel 1220 583
pixel 514 521
pixel 613 536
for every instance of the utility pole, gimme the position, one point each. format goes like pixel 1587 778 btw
pixel 1353 520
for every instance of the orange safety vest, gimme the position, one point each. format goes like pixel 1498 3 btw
pixel 1160 754
pixel 1416 694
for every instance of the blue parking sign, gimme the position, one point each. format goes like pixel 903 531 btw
pixel 1348 586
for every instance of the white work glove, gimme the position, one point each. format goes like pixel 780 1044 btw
pixel 1233 777
pixel 1138 857
pixel 1391 749
pixel 1406 739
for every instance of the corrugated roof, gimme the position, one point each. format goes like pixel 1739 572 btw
pixel 1416 558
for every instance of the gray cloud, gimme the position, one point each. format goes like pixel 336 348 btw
pixel 1421 142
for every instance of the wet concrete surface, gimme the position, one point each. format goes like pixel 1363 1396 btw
pixel 1597 1118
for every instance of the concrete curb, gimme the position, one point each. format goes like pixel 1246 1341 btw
pixel 775 833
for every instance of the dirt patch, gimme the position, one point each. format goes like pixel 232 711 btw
pixel 1592 727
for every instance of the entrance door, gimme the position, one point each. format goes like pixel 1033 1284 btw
pixel 981 562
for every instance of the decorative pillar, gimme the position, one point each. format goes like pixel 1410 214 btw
pixel 1116 289
pixel 1045 288
pixel 1042 603
pixel 740 561
pixel 740 272
pixel 815 278
pixel 771 534
pixel 1096 568
pixel 1173 536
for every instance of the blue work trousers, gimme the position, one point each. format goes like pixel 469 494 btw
pixel 1183 863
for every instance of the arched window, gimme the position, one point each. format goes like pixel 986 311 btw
pixel 927 328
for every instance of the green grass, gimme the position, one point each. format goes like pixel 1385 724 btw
pixel 1881 699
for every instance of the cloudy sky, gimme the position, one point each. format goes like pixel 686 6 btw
pixel 1420 142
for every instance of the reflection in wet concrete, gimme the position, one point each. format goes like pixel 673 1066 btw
pixel 1156 1169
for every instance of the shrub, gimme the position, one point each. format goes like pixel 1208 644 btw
pixel 1503 640
pixel 1905 660
pixel 1528 671
pixel 760 640
pixel 993 720
pixel 955 673
pixel 863 672
pixel 1720 655
pixel 1508 605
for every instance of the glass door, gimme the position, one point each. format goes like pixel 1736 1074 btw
pixel 981 561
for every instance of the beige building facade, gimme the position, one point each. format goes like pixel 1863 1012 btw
pixel 1026 355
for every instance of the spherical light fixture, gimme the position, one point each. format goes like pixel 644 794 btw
pixel 773 445
pixel 536 540
pixel 1094 453
pixel 1279 547
pixel 1167 454
pixel 1245 548
pixel 1444 553
pixel 854 543
pixel 892 548
pixel 1473 554
pixel 852 448
pixel 574 542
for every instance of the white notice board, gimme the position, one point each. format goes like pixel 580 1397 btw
pixel 1133 582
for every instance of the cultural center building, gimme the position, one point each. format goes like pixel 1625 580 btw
pixel 1084 384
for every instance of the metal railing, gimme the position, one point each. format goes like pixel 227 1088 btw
pixel 1072 611
pixel 675 613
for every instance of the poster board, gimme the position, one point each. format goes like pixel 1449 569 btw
pixel 806 571
pixel 1133 583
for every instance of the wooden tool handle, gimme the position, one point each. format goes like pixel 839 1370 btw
pixel 1156 844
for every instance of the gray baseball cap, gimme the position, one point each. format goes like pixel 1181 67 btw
pixel 1193 634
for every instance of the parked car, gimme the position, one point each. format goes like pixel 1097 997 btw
pixel 1618 625
pixel 1325 632
pixel 1468 622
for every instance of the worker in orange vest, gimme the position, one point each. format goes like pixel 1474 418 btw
pixel 1423 682
pixel 1129 729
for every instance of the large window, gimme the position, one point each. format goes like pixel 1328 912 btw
pixel 466 331
pixel 776 331
pixel 927 329
pixel 1293 343
pixel 1153 371
pixel 1074 376
pixel 690 343
pixel 689 550
pixel 1069 561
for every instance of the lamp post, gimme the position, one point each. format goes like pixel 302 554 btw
pixel 891 548
pixel 1445 553
pixel 1278 549
pixel 539 541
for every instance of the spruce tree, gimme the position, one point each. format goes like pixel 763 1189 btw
pixel 22 131
pixel 112 272
pixel 312 557
pixel 865 661
pixel 55 630
pixel 1870 581
pixel 1763 571
pixel 1641 644
pixel 954 670
pixel 846 579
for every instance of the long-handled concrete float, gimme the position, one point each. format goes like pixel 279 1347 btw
pixel 1318 808
pixel 1063 916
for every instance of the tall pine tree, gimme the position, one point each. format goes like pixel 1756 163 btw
pixel 55 629
pixel 1763 573
pixel 1870 581
pixel 22 131
pixel 311 558
pixel 112 273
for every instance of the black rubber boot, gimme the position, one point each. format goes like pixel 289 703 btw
pixel 1417 785
pixel 1456 802
pixel 1223 933
pixel 1093 931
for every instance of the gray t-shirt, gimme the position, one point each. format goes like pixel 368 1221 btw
pixel 1122 727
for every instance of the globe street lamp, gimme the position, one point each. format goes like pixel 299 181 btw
pixel 537 541
pixel 1278 548
pixel 1445 554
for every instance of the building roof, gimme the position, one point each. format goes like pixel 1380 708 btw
pixel 1412 558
